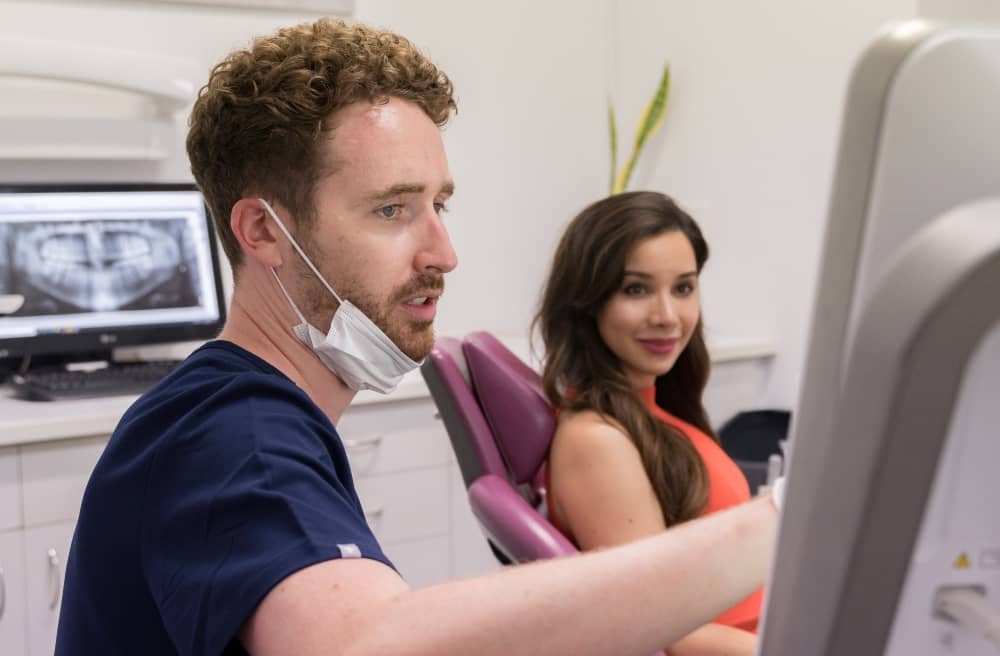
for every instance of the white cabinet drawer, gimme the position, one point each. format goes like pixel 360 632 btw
pixel 10 489
pixel 383 452
pixel 406 505
pixel 392 437
pixel 46 549
pixel 13 633
pixel 55 475
pixel 389 417
pixel 421 562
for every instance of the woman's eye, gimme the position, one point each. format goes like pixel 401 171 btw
pixel 389 211
pixel 685 288
pixel 634 289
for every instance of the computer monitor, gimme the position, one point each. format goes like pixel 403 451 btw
pixel 893 465
pixel 93 267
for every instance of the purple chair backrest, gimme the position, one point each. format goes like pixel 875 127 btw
pixel 507 511
pixel 510 394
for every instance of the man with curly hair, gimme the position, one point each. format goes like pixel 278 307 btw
pixel 222 517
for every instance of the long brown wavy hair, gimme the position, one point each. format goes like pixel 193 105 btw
pixel 588 268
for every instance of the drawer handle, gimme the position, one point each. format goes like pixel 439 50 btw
pixel 375 513
pixel 3 592
pixel 55 578
pixel 363 443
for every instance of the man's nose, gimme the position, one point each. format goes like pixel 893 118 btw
pixel 437 253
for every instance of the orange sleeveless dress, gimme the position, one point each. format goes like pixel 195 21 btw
pixel 727 488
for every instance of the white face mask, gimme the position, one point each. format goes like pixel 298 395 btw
pixel 354 349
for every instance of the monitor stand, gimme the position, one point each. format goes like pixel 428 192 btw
pixel 88 360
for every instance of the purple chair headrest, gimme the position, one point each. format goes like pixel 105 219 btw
pixel 448 350
pixel 510 394
pixel 470 434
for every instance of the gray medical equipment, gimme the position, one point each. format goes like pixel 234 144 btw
pixel 891 528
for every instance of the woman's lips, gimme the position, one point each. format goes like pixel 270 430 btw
pixel 659 346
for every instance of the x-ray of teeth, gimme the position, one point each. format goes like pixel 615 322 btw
pixel 99 265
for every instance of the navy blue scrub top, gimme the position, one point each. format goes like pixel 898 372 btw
pixel 218 483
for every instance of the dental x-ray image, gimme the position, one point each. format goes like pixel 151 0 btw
pixel 66 267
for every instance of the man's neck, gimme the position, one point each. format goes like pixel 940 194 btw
pixel 261 322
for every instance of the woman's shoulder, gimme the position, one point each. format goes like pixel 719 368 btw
pixel 587 421
pixel 589 432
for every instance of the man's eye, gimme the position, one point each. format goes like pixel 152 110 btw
pixel 440 208
pixel 389 211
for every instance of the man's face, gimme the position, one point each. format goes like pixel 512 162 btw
pixel 378 238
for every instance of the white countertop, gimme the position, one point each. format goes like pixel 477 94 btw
pixel 23 422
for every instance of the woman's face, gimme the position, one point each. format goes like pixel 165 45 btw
pixel 649 320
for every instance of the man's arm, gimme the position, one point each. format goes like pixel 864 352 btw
pixel 631 599
pixel 714 640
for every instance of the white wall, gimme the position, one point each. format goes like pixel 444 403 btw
pixel 748 145
pixel 202 35
pixel 527 147
pixel 960 10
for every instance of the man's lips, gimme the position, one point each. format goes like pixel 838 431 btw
pixel 422 307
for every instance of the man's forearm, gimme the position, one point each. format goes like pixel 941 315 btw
pixel 632 599
pixel 715 640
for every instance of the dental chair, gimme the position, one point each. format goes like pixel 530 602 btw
pixel 500 426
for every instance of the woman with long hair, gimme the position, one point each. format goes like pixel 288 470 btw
pixel 626 365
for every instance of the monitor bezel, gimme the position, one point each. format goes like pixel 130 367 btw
pixel 86 343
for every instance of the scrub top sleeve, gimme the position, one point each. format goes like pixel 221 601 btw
pixel 232 510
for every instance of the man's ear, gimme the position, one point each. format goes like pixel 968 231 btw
pixel 256 231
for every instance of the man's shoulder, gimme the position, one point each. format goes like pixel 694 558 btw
pixel 220 387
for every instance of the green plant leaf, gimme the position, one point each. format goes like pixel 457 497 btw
pixel 649 122
pixel 613 130
pixel 655 111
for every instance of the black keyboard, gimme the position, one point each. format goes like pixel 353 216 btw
pixel 120 378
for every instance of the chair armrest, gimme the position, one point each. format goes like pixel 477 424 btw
pixel 513 525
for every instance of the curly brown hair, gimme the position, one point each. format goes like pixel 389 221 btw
pixel 259 124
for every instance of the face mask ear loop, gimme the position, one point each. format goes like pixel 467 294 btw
pixel 299 250
pixel 288 296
